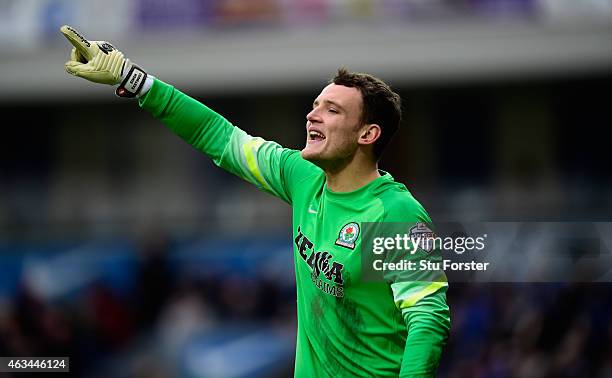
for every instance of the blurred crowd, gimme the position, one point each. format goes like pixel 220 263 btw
pixel 99 325
pixel 530 330
pixel 498 330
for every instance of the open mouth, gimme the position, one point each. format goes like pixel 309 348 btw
pixel 315 136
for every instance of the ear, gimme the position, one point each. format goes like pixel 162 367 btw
pixel 369 134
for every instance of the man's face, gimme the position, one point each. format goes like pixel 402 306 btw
pixel 333 125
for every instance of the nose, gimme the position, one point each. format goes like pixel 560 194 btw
pixel 313 116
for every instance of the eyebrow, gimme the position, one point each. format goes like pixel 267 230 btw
pixel 334 103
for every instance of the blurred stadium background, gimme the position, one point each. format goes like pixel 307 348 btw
pixel 123 248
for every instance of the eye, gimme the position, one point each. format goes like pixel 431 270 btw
pixel 332 110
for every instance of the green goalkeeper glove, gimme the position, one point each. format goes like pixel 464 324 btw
pixel 101 62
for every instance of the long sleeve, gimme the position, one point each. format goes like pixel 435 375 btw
pixel 422 303
pixel 420 295
pixel 265 164
pixel 428 323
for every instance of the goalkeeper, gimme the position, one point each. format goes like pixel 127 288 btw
pixel 347 327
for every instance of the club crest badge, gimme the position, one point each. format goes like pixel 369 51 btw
pixel 348 235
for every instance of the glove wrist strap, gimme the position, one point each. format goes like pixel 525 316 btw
pixel 132 83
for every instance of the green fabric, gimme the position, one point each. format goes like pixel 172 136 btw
pixel 347 327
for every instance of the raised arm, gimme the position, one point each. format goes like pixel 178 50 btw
pixel 265 164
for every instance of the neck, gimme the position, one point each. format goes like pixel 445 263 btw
pixel 352 175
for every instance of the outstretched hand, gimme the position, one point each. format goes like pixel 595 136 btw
pixel 96 61
pixel 100 62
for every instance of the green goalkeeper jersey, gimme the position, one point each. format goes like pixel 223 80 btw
pixel 347 326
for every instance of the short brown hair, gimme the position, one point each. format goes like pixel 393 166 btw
pixel 381 105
